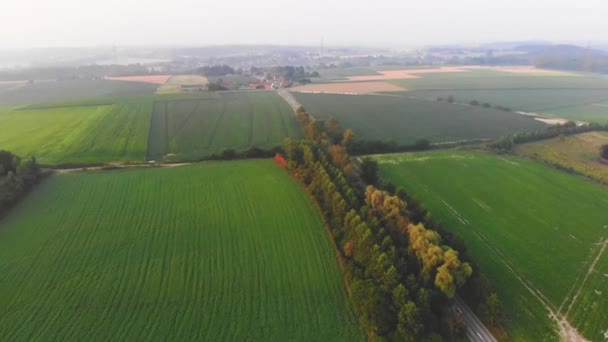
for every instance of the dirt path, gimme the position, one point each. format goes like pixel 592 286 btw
pixel 567 332
pixel 589 271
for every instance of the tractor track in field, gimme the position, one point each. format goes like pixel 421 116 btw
pixel 567 332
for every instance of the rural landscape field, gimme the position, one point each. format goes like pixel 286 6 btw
pixel 200 126
pixel 404 119
pixel 92 133
pixel 238 170
pixel 202 252
pixel 507 208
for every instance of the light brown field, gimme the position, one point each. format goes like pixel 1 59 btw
pixel 188 80
pixel 153 79
pixel 530 70
pixel 347 88
pixel 405 74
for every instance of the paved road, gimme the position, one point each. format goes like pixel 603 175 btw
pixel 289 98
pixel 476 331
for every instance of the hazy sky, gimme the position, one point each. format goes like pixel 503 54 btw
pixel 397 23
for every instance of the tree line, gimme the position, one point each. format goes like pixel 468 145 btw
pixel 17 177
pixel 507 143
pixel 400 273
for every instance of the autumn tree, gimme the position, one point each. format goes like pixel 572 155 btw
pixel 348 137
pixel 340 158
pixel 334 131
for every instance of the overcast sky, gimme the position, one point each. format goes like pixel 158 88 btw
pixel 395 23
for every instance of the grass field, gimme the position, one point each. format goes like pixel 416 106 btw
pixel 524 223
pixel 231 251
pixel 79 134
pixel 197 126
pixel 404 120
pixel 583 97
pixel 578 152
pixel 53 91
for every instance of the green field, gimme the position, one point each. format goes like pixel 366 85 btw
pixel 523 222
pixel 63 90
pixel 400 118
pixel 78 134
pixel 197 126
pixel 582 97
pixel 227 251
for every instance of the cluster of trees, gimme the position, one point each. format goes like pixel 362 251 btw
pixel 215 70
pixel 16 178
pixel 400 273
pixel 216 86
pixel 506 144
pixel 451 99
pixel 295 74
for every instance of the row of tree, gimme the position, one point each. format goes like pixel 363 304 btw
pixel 400 273
pixel 16 178
pixel 506 144
pixel 451 99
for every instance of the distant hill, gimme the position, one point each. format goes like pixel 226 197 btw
pixel 558 49
pixel 567 57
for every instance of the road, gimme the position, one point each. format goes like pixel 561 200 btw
pixel 289 98
pixel 476 331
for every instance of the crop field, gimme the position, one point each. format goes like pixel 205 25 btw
pixel 403 119
pixel 577 152
pixel 64 90
pixel 233 81
pixel 228 251
pixel 579 97
pixel 535 232
pixel 152 79
pixel 173 85
pixel 347 88
pixel 198 126
pixel 188 80
pixel 78 134
pixel 344 73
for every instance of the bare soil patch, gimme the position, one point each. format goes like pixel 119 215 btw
pixel 530 70
pixel 414 73
pixel 153 79
pixel 406 74
pixel 348 88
